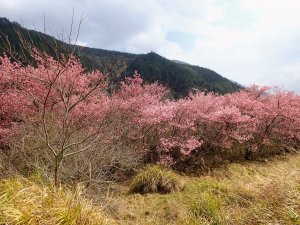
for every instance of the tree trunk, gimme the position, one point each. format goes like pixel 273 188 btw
pixel 248 154
pixel 56 171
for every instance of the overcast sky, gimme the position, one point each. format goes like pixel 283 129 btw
pixel 248 41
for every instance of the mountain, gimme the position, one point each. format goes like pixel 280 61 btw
pixel 180 62
pixel 178 76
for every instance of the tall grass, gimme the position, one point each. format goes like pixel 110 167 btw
pixel 156 179
pixel 247 193
pixel 25 202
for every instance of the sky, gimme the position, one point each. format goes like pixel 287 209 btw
pixel 248 41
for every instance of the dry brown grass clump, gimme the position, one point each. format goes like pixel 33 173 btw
pixel 156 179
pixel 25 202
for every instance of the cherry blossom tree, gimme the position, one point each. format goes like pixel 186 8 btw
pixel 57 101
pixel 70 112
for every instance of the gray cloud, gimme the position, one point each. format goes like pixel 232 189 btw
pixel 249 41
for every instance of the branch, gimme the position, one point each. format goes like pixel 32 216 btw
pixel 86 95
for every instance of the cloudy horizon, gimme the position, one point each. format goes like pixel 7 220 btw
pixel 247 41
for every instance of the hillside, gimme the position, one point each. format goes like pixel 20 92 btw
pixel 179 77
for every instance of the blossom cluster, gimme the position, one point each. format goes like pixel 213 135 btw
pixel 76 102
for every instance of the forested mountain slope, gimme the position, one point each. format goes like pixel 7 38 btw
pixel 179 77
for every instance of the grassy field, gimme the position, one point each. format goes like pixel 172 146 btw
pixel 24 202
pixel 266 192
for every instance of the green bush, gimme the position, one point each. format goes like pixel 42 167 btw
pixel 156 179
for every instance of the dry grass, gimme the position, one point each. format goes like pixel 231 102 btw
pixel 247 193
pixel 156 179
pixel 25 202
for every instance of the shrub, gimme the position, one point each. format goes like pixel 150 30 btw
pixel 24 202
pixel 156 179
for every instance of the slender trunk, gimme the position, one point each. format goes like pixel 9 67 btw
pixel 56 171
pixel 248 154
